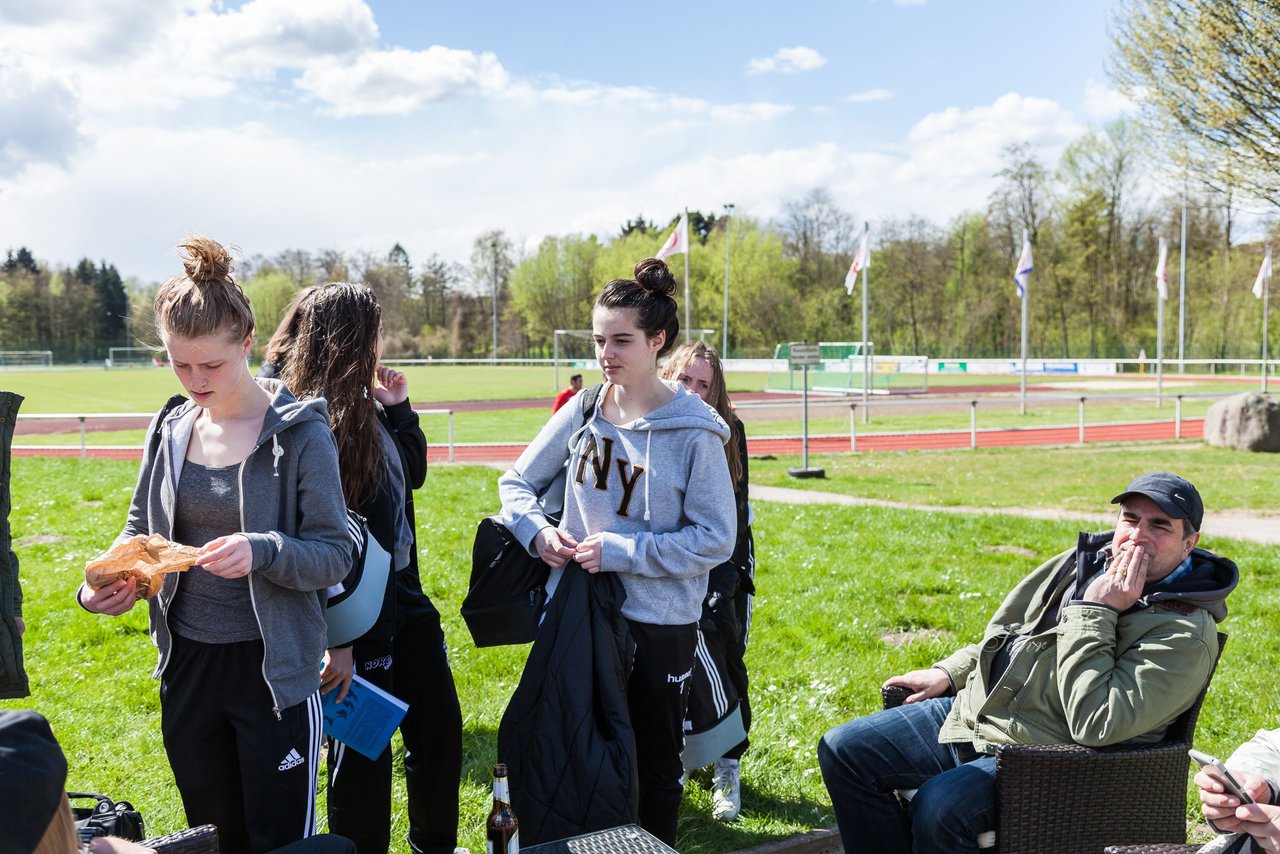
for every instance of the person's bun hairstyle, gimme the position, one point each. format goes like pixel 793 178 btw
pixel 205 300
pixel 205 260
pixel 655 276
pixel 652 295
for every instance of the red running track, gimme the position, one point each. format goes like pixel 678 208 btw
pixel 1192 428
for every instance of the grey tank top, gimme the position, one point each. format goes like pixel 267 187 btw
pixel 207 608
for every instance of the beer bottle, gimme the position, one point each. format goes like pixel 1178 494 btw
pixel 502 828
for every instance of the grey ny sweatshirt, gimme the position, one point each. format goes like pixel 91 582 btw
pixel 658 488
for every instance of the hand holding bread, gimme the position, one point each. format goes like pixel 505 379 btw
pixel 145 559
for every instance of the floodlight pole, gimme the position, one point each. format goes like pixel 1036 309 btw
pixel 728 235
pixel 494 246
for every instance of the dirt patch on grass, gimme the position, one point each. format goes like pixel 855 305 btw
pixel 93 502
pixel 904 638
pixel 41 540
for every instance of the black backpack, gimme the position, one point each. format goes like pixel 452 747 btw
pixel 508 587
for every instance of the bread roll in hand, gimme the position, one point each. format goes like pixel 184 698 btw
pixel 144 558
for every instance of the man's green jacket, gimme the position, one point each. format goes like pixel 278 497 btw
pixel 1092 676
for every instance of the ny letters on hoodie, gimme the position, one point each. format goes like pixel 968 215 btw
pixel 656 488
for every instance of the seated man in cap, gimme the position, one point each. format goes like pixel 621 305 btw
pixel 1104 644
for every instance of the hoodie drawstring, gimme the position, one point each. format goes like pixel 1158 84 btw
pixel 276 452
pixel 648 442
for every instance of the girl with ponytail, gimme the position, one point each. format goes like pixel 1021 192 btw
pixel 332 349
pixel 249 474
pixel 649 499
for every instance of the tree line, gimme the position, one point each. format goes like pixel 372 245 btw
pixel 940 290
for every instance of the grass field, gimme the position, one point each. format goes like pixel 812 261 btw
pixel 140 390
pixel 847 597
pixel 1038 477
pixel 143 389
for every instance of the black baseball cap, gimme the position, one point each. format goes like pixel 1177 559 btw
pixel 33 778
pixel 1175 495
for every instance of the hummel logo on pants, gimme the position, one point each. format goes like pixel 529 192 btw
pixel 293 760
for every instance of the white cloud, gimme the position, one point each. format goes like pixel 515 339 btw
pixel 869 96
pixel 128 54
pixel 398 81
pixel 788 60
pixel 1102 103
pixel 909 2
pixel 39 115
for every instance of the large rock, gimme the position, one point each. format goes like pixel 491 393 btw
pixel 1247 421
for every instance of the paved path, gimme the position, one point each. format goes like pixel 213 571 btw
pixel 1235 524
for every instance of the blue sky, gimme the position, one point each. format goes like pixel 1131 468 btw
pixel 348 124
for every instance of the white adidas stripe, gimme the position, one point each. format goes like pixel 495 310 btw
pixel 718 697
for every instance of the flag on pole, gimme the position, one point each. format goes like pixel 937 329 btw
pixel 1024 268
pixel 1162 275
pixel 859 264
pixel 1264 273
pixel 678 242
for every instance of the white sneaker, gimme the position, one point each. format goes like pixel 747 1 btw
pixel 726 790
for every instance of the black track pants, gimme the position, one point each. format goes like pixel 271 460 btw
pixel 432 733
pixel 236 765
pixel 657 692
pixel 360 788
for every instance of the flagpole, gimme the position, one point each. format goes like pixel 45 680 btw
pixel 1159 347
pixel 1266 290
pixel 1182 283
pixel 1026 297
pixel 688 328
pixel 866 351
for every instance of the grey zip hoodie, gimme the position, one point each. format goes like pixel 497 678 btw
pixel 291 511
pixel 658 488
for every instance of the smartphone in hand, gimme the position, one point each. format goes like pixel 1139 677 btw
pixel 1220 771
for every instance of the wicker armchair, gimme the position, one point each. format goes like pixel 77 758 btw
pixel 1067 799
pixel 1169 848
pixel 197 840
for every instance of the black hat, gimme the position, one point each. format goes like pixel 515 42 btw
pixel 1175 495
pixel 33 777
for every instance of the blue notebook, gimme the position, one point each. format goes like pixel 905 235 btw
pixel 365 719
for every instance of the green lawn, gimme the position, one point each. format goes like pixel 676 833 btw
pixel 840 590
pixel 1078 479
pixel 521 425
pixel 142 389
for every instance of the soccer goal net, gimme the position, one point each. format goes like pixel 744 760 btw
pixel 575 349
pixel 26 358
pixel 841 369
pixel 134 357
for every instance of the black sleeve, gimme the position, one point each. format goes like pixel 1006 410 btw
pixel 402 421
pixel 742 545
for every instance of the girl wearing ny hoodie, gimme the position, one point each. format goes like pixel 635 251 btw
pixel 248 474
pixel 648 497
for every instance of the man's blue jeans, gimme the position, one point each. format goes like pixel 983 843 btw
pixel 865 760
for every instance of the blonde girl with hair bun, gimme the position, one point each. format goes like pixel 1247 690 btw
pixel 249 474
